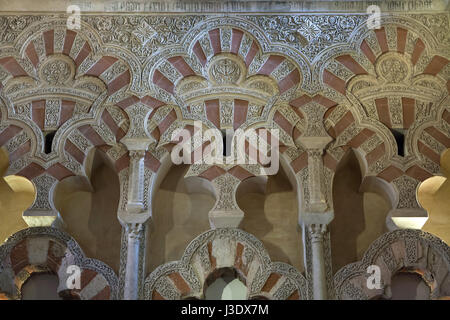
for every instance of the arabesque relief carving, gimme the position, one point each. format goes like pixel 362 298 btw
pixel 123 84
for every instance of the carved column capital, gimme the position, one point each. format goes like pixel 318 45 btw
pixel 135 235
pixel 137 154
pixel 317 232
pixel 134 230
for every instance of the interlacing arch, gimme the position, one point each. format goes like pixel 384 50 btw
pixel 62 87
pixel 393 61
pixel 224 78
pixel 65 94
pixel 58 80
pixel 389 84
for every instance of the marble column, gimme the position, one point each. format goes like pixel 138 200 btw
pixel 316 232
pixel 136 213
pixel 134 232
pixel 133 220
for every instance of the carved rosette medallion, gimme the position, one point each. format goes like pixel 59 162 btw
pixel 393 68
pixel 56 70
pixel 226 69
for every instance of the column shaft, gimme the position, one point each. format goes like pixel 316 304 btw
pixel 318 262
pixel 131 287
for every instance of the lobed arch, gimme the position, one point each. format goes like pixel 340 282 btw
pixel 397 251
pixel 38 249
pixel 355 64
pixel 85 97
pixel 95 49
pixel 170 77
pixel 432 195
pixel 376 150
pixel 365 201
pixel 190 40
pixel 361 33
pixel 88 206
pixel 431 138
pixel 167 119
pixel 74 143
pixel 374 103
pixel 70 145
pixel 82 57
pixel 225 248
